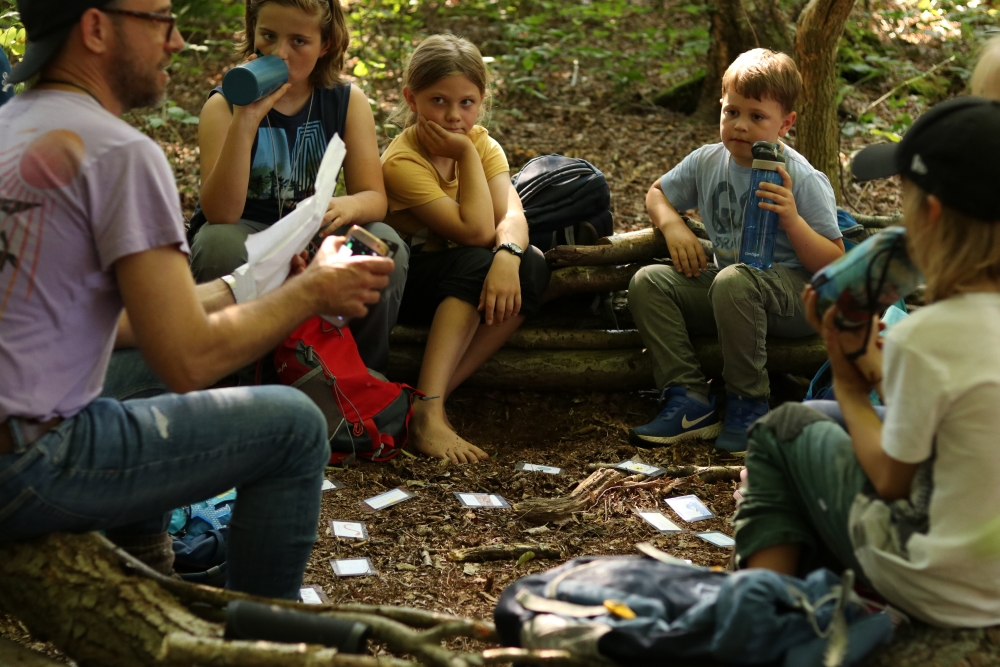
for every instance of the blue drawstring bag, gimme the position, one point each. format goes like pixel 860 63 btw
pixel 199 532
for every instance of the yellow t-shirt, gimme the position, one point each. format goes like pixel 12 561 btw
pixel 411 180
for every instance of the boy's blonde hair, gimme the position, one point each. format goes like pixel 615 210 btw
pixel 985 80
pixel 441 56
pixel 764 74
pixel 333 27
pixel 958 250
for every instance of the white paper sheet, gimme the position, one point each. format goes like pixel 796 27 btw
pixel 350 529
pixel 690 508
pixel 352 566
pixel 387 498
pixel 270 252
pixel 309 596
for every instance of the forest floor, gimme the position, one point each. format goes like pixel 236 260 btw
pixel 633 143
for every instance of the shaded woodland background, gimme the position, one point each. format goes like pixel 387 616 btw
pixel 586 79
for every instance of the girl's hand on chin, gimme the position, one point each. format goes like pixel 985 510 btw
pixel 439 141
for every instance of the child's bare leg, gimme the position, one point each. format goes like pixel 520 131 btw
pixel 454 326
pixel 485 343
pixel 781 558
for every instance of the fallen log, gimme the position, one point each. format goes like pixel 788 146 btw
pixel 576 279
pixel 603 369
pixel 642 245
pixel 488 552
pixel 101 607
pixel 541 339
pixel 878 221
pixel 15 655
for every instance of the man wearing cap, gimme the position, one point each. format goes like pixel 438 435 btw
pixel 89 223
pixel 911 505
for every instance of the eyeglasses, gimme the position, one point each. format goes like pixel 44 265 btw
pixel 169 19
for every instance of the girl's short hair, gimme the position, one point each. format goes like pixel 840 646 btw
pixel 958 250
pixel 333 27
pixel 985 80
pixel 441 56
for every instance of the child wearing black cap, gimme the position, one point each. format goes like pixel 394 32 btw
pixel 906 504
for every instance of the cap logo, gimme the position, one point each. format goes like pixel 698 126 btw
pixel 917 166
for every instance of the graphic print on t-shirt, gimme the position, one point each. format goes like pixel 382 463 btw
pixel 49 162
pixel 727 222
pixel 273 176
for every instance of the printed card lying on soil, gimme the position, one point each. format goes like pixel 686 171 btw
pixel 349 530
pixel 659 521
pixel 331 484
pixel 387 499
pixel 353 567
pixel 641 468
pixel 534 467
pixel 481 500
pixel 690 508
pixel 718 539
pixel 313 595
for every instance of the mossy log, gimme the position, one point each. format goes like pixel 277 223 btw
pixel 683 96
pixel 642 245
pixel 541 339
pixel 577 279
pixel 540 369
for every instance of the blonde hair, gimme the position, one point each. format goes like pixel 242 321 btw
pixel 762 73
pixel 956 251
pixel 438 57
pixel 333 28
pixel 985 80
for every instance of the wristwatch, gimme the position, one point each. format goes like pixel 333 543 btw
pixel 512 248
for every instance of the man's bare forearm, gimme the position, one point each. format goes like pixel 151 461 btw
pixel 214 296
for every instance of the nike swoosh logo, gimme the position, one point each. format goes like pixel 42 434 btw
pixel 686 424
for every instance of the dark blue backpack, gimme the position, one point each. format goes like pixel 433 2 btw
pixel 640 611
pixel 199 532
pixel 566 201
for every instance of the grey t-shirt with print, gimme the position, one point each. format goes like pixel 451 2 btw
pixel 710 180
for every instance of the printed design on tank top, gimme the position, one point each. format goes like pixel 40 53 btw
pixel 50 162
pixel 273 176
pixel 727 230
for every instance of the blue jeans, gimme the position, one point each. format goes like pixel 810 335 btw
pixel 118 464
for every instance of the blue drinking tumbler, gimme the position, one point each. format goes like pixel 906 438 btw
pixel 761 226
pixel 247 83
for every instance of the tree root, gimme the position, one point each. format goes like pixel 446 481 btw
pixel 487 552
pixel 707 474
pixel 582 498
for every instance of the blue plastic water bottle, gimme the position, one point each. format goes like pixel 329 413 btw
pixel 759 225
pixel 247 83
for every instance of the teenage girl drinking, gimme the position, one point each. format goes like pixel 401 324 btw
pixel 473 277
pixel 258 161
pixel 907 504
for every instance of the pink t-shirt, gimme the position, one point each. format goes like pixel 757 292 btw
pixel 79 189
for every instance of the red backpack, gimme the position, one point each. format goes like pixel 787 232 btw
pixel 368 417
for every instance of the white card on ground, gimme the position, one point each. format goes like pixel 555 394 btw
pixel 331 484
pixel 718 539
pixel 349 530
pixel 641 468
pixel 534 467
pixel 659 521
pixel 353 567
pixel 481 500
pixel 690 508
pixel 313 595
pixel 388 498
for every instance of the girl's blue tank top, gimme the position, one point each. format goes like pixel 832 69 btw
pixel 287 151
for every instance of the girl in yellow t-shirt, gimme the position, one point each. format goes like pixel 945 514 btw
pixel 472 274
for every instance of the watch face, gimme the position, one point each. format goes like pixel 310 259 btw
pixel 516 248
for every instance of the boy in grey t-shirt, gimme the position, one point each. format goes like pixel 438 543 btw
pixel 739 303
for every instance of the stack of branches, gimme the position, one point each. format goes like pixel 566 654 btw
pixel 606 479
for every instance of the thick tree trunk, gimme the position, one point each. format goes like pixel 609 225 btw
pixel 576 279
pixel 542 339
pixel 603 369
pixel 817 135
pixel 731 34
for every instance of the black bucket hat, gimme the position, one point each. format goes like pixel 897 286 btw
pixel 47 23
pixel 950 152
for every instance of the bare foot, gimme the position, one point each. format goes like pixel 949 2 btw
pixel 433 437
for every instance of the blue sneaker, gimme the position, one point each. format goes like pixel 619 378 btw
pixel 740 414
pixel 682 418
